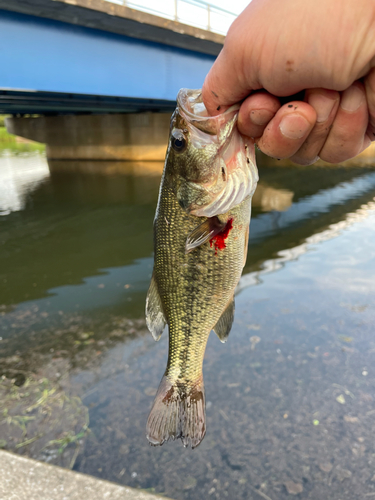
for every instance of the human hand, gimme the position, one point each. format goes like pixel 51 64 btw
pixel 326 47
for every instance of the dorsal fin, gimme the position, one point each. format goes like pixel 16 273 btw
pixel 224 325
pixel 155 317
pixel 203 233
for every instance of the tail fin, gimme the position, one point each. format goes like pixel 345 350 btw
pixel 178 412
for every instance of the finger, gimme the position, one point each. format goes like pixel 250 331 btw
pixel 370 97
pixel 287 131
pixel 255 112
pixel 347 137
pixel 325 103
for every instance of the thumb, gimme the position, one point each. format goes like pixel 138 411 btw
pixel 225 84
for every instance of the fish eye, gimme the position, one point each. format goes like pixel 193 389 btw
pixel 178 141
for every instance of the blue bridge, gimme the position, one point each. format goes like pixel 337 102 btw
pixel 77 56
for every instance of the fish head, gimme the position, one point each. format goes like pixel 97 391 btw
pixel 210 165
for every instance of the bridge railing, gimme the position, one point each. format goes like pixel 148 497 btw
pixel 197 13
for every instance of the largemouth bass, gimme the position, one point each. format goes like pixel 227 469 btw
pixel 201 230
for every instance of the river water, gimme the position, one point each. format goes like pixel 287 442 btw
pixel 290 396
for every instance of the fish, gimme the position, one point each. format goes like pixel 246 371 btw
pixel 201 231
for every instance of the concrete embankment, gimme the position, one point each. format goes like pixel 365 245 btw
pixel 26 479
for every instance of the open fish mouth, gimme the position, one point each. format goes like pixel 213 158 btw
pixel 237 174
pixel 191 107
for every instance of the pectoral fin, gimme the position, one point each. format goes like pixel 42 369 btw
pixel 155 318
pixel 224 325
pixel 203 233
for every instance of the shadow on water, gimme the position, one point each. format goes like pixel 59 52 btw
pixel 289 397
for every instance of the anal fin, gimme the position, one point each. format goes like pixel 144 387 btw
pixel 224 325
pixel 203 233
pixel 155 317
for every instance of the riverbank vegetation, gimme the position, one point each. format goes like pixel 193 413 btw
pixel 15 144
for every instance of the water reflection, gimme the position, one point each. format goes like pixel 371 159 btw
pixel 77 225
pixel 297 406
pixel 19 176
pixel 287 255
pixel 268 198
pixel 138 169
pixel 311 207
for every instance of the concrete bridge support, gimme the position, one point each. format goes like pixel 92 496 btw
pixel 136 137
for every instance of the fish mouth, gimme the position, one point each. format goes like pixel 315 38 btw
pixel 192 108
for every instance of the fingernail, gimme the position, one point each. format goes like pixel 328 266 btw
pixel 322 105
pixel 352 98
pixel 294 126
pixel 261 116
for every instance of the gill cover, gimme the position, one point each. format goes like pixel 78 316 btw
pixel 212 166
